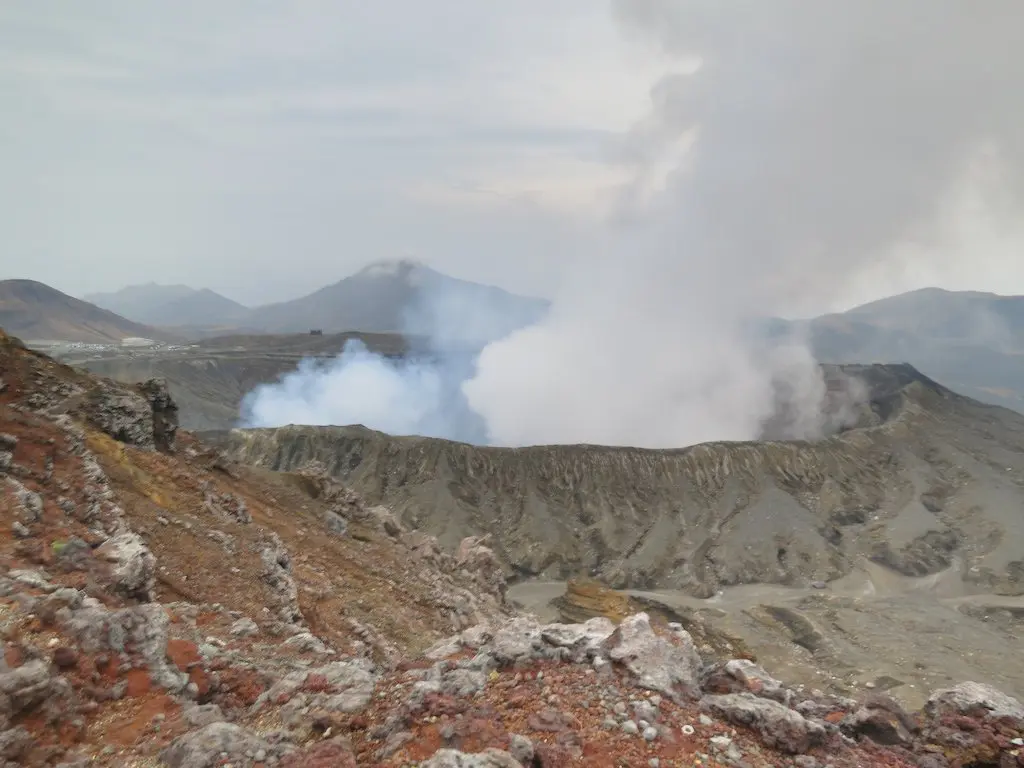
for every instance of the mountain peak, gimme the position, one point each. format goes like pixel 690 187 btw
pixel 392 268
pixel 170 305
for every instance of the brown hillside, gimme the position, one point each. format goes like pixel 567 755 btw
pixel 35 311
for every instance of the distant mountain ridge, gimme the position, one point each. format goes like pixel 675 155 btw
pixel 383 297
pixel 35 311
pixel 171 305
pixel 963 316
pixel 400 296
pixel 970 341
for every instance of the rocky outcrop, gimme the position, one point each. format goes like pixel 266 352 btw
pixel 165 413
pixel 145 416
pixel 277 575
pixel 478 562
pixel 124 415
pixel 780 727
pixel 208 746
pixel 585 598
pixel 133 565
pixel 668 666
pixel 736 700
pixel 465 606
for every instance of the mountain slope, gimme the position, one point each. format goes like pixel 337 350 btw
pixel 135 301
pixel 35 311
pixel 131 554
pixel 396 296
pixel 964 316
pixel 202 307
pixel 171 305
pixel 927 482
pixel 971 342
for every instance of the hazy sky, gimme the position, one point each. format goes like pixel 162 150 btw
pixel 266 148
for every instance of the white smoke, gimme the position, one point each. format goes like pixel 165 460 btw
pixel 360 387
pixel 446 322
pixel 823 139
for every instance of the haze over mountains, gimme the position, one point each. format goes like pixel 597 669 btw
pixel 969 341
pixel 177 305
pixel 382 297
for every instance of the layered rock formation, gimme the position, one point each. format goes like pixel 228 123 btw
pixel 922 480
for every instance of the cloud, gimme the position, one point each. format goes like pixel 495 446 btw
pixel 271 149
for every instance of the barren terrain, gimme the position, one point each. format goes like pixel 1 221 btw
pixel 161 605
pixel 869 560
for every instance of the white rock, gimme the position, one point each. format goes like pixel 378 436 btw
pixel 970 696
pixel 672 669
pixel 244 627
pixel 134 565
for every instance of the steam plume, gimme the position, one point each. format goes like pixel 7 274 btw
pixel 825 140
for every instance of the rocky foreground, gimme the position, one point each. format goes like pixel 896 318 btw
pixel 160 605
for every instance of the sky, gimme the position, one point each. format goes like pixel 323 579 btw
pixel 264 149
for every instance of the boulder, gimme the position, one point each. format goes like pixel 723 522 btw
pixel 215 744
pixel 26 686
pixel 490 758
pixel 244 627
pixel 517 639
pixel 384 520
pixel 134 568
pixel 975 699
pixel 779 726
pixel 584 641
pixel 668 666
pixel 742 676
pixel 881 719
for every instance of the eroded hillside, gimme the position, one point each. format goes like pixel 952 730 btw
pixel 925 481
